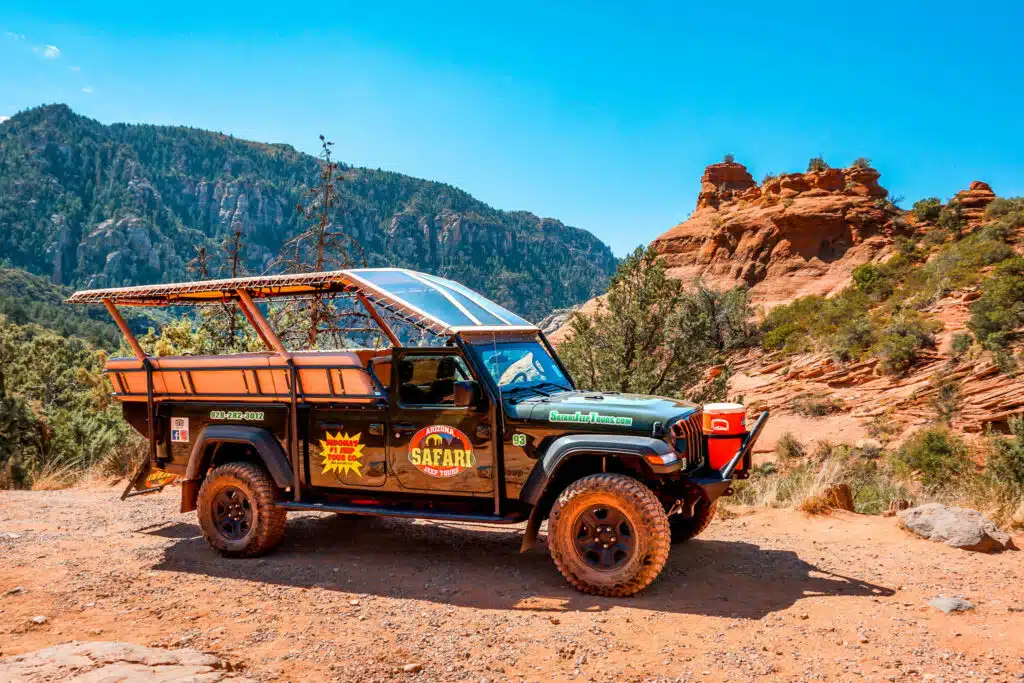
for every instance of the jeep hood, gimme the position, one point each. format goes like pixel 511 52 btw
pixel 606 412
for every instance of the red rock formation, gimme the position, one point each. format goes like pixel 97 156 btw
pixel 975 199
pixel 797 234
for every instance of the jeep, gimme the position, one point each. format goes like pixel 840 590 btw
pixel 479 422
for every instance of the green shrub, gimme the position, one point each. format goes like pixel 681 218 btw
pixel 873 280
pixel 947 399
pixel 853 339
pixel 1009 212
pixel 927 209
pixel 1006 463
pixel 952 219
pixel 861 163
pixel 937 455
pixel 729 159
pixel 817 165
pixel 961 343
pixel 905 335
pixel 999 311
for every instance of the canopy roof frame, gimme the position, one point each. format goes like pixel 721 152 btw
pixel 356 283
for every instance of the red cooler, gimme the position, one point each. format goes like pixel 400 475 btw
pixel 724 425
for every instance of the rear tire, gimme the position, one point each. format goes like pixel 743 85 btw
pixel 685 528
pixel 608 535
pixel 237 512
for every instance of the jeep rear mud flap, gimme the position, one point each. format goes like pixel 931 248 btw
pixel 147 480
pixel 716 487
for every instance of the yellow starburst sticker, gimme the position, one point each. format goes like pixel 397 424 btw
pixel 341 453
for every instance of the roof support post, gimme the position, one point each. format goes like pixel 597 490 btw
pixel 125 330
pixel 262 327
pixel 381 323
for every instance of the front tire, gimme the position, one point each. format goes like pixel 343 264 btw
pixel 237 512
pixel 608 535
pixel 685 528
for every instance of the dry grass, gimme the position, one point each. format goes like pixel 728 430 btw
pixel 55 476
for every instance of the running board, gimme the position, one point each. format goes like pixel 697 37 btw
pixel 408 514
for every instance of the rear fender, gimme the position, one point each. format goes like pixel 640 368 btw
pixel 543 484
pixel 265 445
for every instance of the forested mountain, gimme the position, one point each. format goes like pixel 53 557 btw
pixel 91 205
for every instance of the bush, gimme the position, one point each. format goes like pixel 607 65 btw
pixel 902 339
pixel 729 159
pixel 947 399
pixel 788 448
pixel 961 343
pixel 999 311
pixel 874 281
pixel 936 454
pixel 815 406
pixel 1007 461
pixel 951 218
pixel 817 165
pixel 927 210
pixel 1009 212
pixel 861 163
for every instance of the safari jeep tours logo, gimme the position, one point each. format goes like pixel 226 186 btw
pixel 441 451
pixel 341 453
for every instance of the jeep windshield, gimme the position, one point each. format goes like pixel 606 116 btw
pixel 522 367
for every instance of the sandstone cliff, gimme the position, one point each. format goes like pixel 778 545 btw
pixel 793 235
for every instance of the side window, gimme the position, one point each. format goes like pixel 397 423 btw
pixel 430 380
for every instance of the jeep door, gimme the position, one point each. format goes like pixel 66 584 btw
pixel 435 444
pixel 347 445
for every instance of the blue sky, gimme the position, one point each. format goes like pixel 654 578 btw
pixel 601 115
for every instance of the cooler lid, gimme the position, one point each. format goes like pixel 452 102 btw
pixel 723 408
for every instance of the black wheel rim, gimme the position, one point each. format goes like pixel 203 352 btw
pixel 604 538
pixel 232 513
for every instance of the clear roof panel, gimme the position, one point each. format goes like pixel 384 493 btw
pixel 444 300
pixel 505 316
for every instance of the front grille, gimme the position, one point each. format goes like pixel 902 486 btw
pixel 688 429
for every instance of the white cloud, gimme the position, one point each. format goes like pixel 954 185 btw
pixel 47 51
pixel 87 91
pixel 14 36
pixel 4 118
pixel 76 68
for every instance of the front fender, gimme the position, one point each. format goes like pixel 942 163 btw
pixel 613 445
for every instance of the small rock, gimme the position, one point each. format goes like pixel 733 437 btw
pixel 412 668
pixel 39 620
pixel 354 602
pixel 17 590
pixel 555 620
pixel 950 605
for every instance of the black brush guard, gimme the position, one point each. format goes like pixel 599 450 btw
pixel 720 481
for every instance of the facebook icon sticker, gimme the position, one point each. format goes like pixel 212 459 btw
pixel 179 429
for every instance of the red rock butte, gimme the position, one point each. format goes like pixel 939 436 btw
pixel 793 235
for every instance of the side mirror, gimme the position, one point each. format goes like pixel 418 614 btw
pixel 467 393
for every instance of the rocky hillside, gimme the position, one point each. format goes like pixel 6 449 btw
pixel 873 318
pixel 793 235
pixel 94 205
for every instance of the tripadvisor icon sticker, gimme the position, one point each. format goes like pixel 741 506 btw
pixel 581 418
pixel 441 451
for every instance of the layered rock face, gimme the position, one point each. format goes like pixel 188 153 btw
pixel 795 234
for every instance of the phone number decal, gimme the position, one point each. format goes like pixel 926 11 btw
pixel 247 416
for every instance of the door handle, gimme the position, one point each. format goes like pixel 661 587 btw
pixel 401 427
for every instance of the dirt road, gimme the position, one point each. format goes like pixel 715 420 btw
pixel 768 595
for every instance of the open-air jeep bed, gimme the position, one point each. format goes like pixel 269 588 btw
pixel 484 424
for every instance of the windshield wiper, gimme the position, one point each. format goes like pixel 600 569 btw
pixel 552 384
pixel 523 387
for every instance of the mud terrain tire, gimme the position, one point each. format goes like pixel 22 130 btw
pixel 685 528
pixel 621 497
pixel 246 490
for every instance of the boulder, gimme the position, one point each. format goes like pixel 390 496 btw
pixel 950 605
pixel 956 527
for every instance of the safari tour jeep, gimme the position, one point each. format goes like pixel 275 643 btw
pixel 480 422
